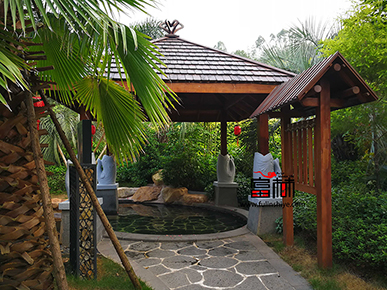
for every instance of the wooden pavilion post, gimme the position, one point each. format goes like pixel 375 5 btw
pixel 287 168
pixel 263 133
pixel 323 177
pixel 223 135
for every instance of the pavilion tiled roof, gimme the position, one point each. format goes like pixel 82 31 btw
pixel 190 62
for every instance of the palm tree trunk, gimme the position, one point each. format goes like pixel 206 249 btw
pixel 94 199
pixel 25 258
pixel 59 270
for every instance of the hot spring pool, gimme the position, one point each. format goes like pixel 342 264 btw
pixel 163 219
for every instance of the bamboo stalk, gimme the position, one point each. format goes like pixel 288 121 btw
pixel 59 270
pixel 94 199
pixel 102 153
pixel 61 154
pixel 99 142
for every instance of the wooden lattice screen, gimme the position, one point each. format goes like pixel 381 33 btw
pixel 303 152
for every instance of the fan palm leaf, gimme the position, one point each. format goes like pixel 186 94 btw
pixel 119 112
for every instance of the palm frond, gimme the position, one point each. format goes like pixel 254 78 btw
pixel 119 112
pixel 10 62
pixel 139 66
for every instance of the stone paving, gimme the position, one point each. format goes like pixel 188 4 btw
pixel 234 263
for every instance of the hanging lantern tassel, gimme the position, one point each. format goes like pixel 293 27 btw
pixel 237 132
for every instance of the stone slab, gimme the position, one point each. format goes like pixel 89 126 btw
pixel 191 251
pixel 178 262
pixel 221 278
pixel 218 262
pixel 222 251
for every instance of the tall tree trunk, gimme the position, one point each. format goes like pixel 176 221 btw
pixel 94 199
pixel 59 271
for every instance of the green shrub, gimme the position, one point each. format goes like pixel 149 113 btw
pixel 56 181
pixel 348 172
pixel 360 226
pixel 359 223
pixel 140 173
pixel 210 191
pixel 305 213
pixel 186 168
pixel 244 190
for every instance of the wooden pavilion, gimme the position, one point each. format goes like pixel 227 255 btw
pixel 212 85
pixel 215 86
pixel 306 145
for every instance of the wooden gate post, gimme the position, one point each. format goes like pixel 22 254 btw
pixel 286 149
pixel 223 134
pixel 323 177
pixel 263 133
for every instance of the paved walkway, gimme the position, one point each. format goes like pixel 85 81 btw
pixel 244 262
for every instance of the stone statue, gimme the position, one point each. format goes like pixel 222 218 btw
pixel 225 168
pixel 106 170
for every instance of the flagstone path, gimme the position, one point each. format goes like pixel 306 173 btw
pixel 243 262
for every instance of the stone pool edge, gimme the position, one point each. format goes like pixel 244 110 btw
pixel 191 238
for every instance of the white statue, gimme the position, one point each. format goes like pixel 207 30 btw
pixel 225 168
pixel 106 170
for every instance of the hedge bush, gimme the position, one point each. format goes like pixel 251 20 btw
pixel 359 223
pixel 186 168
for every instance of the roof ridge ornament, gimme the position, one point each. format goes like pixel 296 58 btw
pixel 171 27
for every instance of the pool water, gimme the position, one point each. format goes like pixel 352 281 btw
pixel 173 220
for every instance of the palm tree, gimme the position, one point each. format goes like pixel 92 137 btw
pixel 79 39
pixel 296 49
pixel 149 27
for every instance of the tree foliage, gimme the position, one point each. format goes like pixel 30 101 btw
pixel 149 27
pixel 297 48
pixel 363 42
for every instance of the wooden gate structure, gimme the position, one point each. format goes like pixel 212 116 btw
pixel 306 145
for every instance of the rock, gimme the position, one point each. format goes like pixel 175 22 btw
pixel 126 191
pixel 147 193
pixel 56 201
pixel 170 194
pixel 194 198
pixel 158 178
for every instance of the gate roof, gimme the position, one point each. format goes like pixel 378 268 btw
pixel 347 89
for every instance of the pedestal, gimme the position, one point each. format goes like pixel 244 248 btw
pixel 263 214
pixel 110 197
pixel 226 193
pixel 65 223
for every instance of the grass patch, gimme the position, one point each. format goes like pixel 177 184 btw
pixel 303 259
pixel 110 276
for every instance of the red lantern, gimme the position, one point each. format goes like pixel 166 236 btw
pixel 93 129
pixel 38 104
pixel 237 132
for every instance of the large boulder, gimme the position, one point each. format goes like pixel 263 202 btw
pixel 147 193
pixel 157 178
pixel 189 198
pixel 171 194
pixel 124 192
